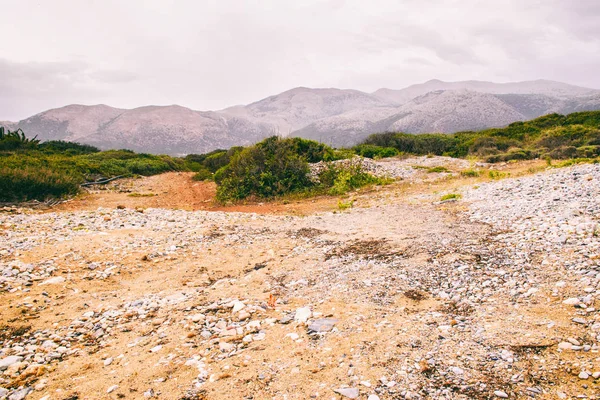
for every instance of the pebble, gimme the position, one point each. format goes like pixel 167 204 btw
pixel 350 393
pixel 20 394
pixel 322 325
pixel 112 388
pixel 54 281
pixel 8 361
pixel 501 394
pixel 302 314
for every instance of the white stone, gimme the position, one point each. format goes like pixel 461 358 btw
pixel 349 393
pixel 237 306
pixel 112 388
pixel 53 281
pixel 571 301
pixel 302 314
pixel 8 361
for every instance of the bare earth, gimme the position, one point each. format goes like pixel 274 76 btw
pixel 172 297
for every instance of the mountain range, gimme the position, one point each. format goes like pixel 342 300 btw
pixel 338 117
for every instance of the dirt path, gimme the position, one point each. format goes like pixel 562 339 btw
pixel 176 190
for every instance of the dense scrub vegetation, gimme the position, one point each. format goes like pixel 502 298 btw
pixel 277 167
pixel 552 136
pixel 30 170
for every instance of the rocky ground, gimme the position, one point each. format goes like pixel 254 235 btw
pixel 401 296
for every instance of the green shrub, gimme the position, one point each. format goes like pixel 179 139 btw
pixel 451 196
pixel 438 169
pixel 57 168
pixel 338 179
pixel 470 173
pixel 70 148
pixel 497 174
pixel 203 175
pixel 373 151
pixel 270 168
pixel 32 183
pixel 553 135
pixel 342 154
pixel 345 205
pixel 14 140
pixel 311 150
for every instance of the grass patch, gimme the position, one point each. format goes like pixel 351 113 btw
pixel 438 169
pixel 345 205
pixel 470 173
pixel 495 175
pixel 142 195
pixel 451 196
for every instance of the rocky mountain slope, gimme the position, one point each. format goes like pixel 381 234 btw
pixel 335 116
pixel 540 87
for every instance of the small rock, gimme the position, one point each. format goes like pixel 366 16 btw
pixel 237 306
pixel 112 388
pixel 8 361
pixel 571 301
pixel 373 397
pixel 3 392
pixel 108 361
pixel 565 346
pixel 156 348
pixel 350 393
pixel 226 347
pixel 583 375
pixel 501 394
pixel 243 315
pixel 579 321
pixel 322 325
pixel 302 314
pixel 20 394
pixel 53 281
pixel 198 317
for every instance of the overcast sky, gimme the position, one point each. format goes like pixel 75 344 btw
pixel 213 54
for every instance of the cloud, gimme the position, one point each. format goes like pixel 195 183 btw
pixel 216 53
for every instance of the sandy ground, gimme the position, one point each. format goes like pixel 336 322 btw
pixel 370 267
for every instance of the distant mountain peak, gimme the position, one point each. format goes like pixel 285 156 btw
pixel 337 116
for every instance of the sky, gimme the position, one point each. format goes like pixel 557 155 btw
pixel 208 55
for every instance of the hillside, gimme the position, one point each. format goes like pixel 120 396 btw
pixel 339 117
pixel 540 87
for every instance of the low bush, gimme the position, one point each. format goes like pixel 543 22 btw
pixel 32 183
pixel 203 175
pixel 470 173
pixel 451 196
pixel 271 168
pixel 438 169
pixel 34 170
pixel 340 179
pixel 373 151
pixel 554 135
